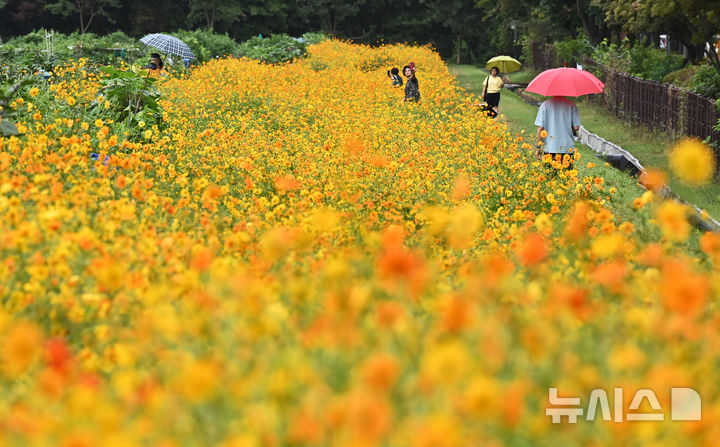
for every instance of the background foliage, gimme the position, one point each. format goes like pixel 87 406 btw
pixel 468 30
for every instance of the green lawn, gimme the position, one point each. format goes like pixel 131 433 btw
pixel 649 147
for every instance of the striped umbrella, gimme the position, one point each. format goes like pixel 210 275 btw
pixel 168 44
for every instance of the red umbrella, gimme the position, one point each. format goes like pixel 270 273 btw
pixel 565 82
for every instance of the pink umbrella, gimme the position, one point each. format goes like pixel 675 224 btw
pixel 565 82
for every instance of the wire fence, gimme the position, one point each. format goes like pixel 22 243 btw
pixel 675 110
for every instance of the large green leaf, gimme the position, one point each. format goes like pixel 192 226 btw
pixel 8 128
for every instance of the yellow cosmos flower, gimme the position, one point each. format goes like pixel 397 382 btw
pixel 34 92
pixel 692 161
pixel 672 217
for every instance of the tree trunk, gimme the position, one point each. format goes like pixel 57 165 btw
pixel 713 56
pixel 459 46
pixel 590 29
pixel 209 11
pixel 93 13
pixel 79 5
pixel 332 22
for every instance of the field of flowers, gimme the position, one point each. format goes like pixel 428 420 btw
pixel 296 257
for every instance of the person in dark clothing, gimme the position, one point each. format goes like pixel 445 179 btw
pixel 394 75
pixel 412 88
pixel 156 62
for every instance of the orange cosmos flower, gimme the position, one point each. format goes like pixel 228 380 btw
pixel 369 416
pixel 577 221
pixel 285 183
pixel 202 259
pixel 380 371
pixel 572 298
pixel 353 146
pixel 461 188
pixel 399 263
pixel 304 428
pixel 532 250
pixel 651 255
pixel 611 275
pixel 393 237
pixel 456 315
pixel 682 290
pixel 21 347
pixel 710 244
pixel 653 179
pixel 58 355
pixel 388 312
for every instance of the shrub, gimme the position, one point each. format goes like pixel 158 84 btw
pixel 311 38
pixel 133 95
pixel 682 77
pixel 276 49
pixel 615 57
pixel 652 63
pixel 706 82
pixel 573 49
pixel 7 93
pixel 206 44
pixel 29 51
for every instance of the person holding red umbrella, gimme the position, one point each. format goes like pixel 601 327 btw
pixel 558 121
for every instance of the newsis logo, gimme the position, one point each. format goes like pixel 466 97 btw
pixel 685 405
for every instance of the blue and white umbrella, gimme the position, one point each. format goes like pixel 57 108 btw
pixel 168 44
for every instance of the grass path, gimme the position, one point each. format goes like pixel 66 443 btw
pixel 649 147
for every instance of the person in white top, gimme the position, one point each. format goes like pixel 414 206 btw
pixel 559 118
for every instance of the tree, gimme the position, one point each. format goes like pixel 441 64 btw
pixel 592 19
pixel 86 10
pixel 692 22
pixel 261 16
pixel 215 12
pixel 460 16
pixel 141 16
pixel 329 14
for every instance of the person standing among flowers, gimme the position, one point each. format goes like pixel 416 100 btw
pixel 558 120
pixel 491 89
pixel 156 62
pixel 412 88
pixel 394 76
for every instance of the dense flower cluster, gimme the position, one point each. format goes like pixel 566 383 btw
pixel 300 258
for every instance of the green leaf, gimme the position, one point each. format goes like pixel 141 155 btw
pixel 8 128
